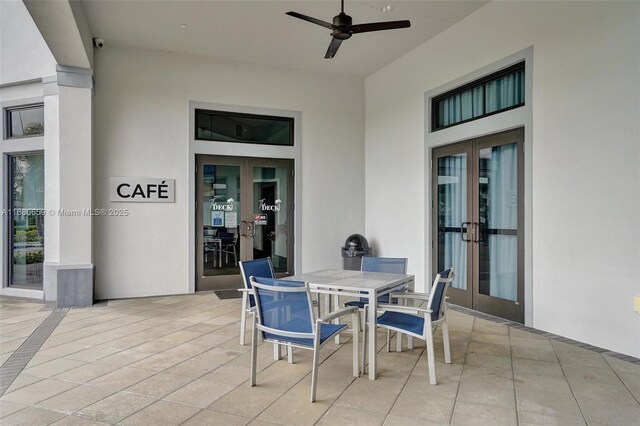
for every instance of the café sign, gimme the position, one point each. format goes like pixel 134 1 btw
pixel 142 190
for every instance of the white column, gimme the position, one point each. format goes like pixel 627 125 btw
pixel 68 266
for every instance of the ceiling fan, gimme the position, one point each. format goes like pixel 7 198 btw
pixel 343 28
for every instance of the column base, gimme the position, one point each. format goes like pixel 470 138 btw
pixel 69 285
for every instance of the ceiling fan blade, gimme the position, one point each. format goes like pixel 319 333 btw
pixel 378 26
pixel 333 48
pixel 312 20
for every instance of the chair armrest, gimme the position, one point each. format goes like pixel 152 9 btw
pixel 339 313
pixel 421 296
pixel 245 290
pixel 402 309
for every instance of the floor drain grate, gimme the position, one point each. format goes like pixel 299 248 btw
pixel 228 294
pixel 21 357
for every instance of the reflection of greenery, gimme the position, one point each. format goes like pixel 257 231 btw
pixel 33 128
pixel 28 192
pixel 30 235
pixel 36 257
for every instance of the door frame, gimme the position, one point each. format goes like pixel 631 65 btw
pixel 471 297
pixel 515 118
pixel 245 251
pixel 197 147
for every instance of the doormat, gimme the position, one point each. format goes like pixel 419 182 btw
pixel 228 294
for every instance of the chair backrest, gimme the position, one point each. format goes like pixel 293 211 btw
pixel 228 237
pixel 438 294
pixel 390 265
pixel 255 268
pixel 284 307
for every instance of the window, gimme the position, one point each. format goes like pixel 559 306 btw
pixel 25 121
pixel 225 126
pixel 26 220
pixel 498 92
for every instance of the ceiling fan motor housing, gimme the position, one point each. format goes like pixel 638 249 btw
pixel 342 22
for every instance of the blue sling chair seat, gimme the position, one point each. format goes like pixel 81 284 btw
pixel 420 322
pixel 284 314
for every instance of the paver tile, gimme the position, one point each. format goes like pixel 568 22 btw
pixel 116 407
pixel 161 413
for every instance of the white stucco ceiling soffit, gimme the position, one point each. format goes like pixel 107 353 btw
pixel 260 32
pixel 65 29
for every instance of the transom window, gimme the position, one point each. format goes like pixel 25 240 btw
pixel 226 126
pixel 498 92
pixel 25 121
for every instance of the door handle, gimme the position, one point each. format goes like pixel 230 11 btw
pixel 477 232
pixel 242 234
pixel 464 229
pixel 253 228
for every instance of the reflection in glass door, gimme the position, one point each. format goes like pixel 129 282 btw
pixel 478 221
pixel 453 220
pixel 26 221
pixel 244 211
pixel 220 199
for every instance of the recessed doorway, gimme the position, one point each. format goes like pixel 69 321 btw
pixel 244 211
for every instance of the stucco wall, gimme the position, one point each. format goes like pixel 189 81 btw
pixel 584 198
pixel 23 53
pixel 141 128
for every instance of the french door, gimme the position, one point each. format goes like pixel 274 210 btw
pixel 478 222
pixel 244 211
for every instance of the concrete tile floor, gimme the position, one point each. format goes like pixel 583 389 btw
pixel 177 360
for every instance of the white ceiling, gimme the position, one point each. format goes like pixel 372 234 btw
pixel 260 32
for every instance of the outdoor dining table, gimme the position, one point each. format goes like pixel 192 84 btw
pixel 336 282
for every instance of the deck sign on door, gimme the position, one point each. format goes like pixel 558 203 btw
pixel 142 190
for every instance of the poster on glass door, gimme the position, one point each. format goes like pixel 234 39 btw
pixel 217 219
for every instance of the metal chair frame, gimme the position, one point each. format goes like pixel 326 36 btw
pixel 314 334
pixel 429 325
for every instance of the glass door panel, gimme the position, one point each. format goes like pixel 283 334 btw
pixel 221 202
pixel 26 220
pixel 452 216
pixel 498 216
pixel 218 211
pixel 452 222
pixel 271 216
pixel 498 221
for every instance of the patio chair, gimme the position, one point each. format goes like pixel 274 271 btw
pixel 420 322
pixel 284 313
pixel 229 243
pixel 390 265
pixel 258 268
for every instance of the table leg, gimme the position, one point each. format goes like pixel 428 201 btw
pixel 373 335
pixel 327 304
pixel 410 303
pixel 334 306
